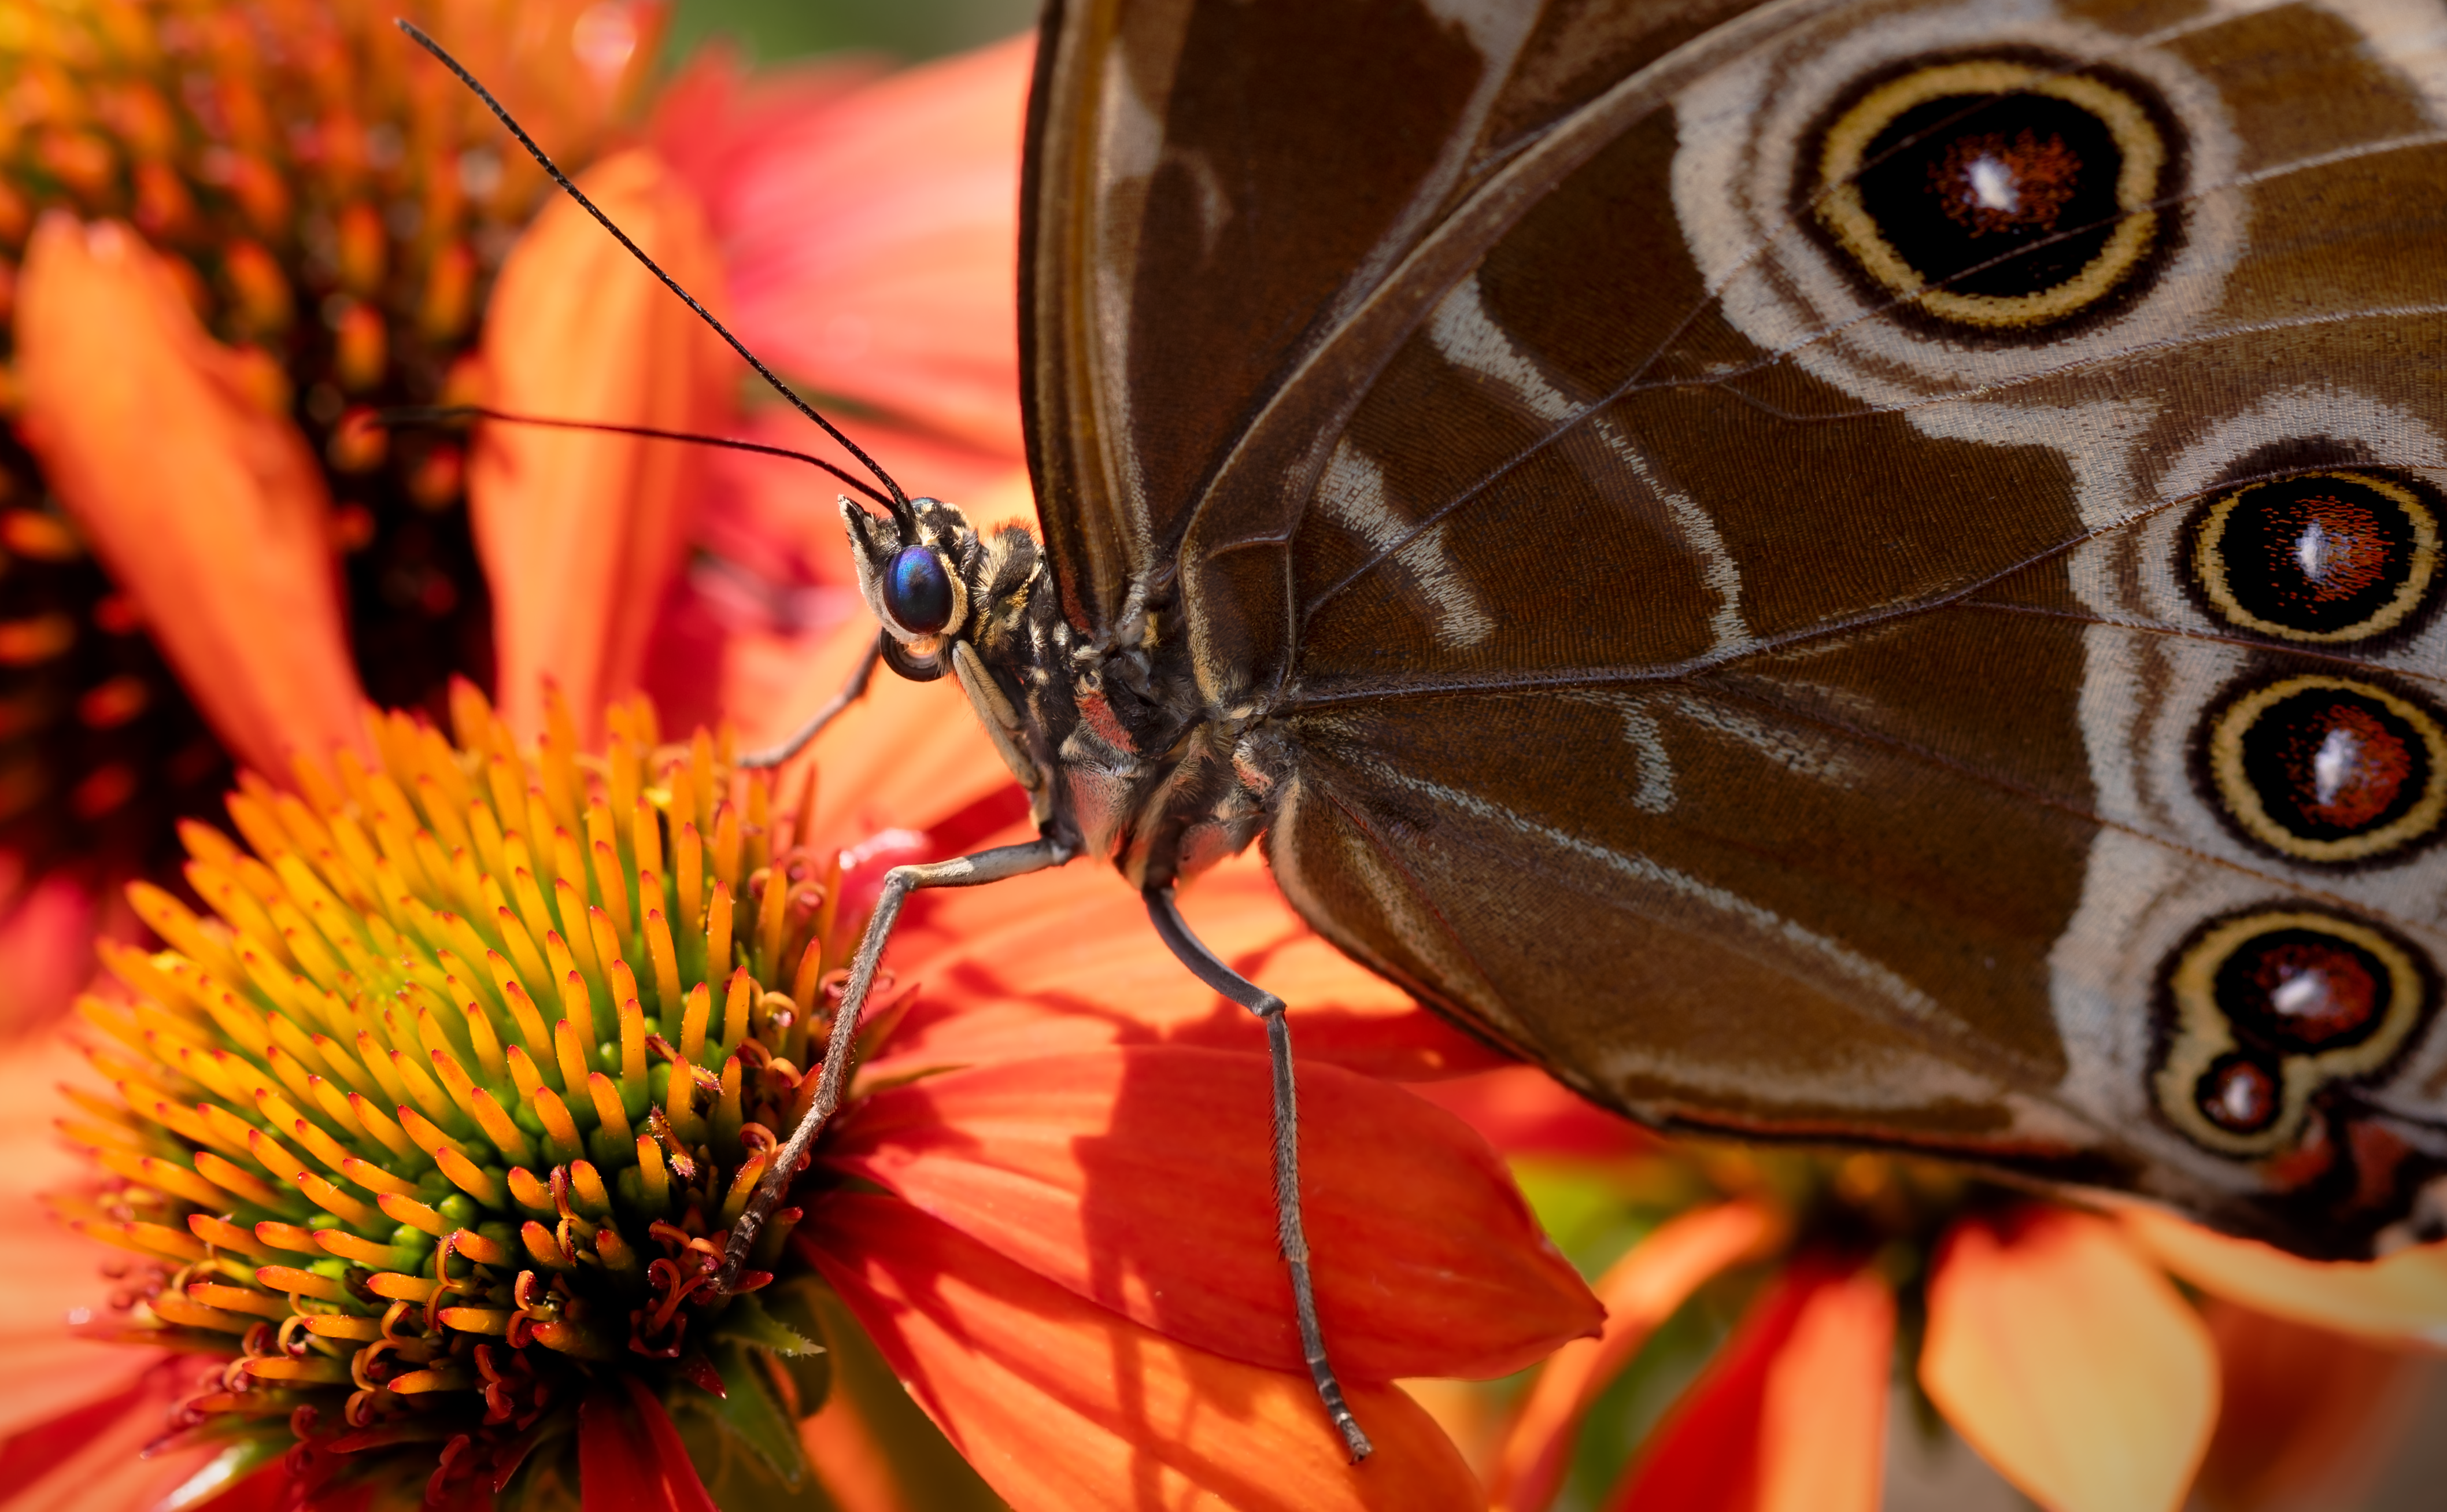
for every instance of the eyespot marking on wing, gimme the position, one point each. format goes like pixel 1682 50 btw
pixel 2267 1008
pixel 2328 770
pixel 1998 193
pixel 2318 558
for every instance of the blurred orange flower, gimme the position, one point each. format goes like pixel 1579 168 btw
pixel 2050 1338
pixel 293 219
pixel 867 225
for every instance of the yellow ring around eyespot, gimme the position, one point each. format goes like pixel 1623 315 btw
pixel 2136 184
pixel 2241 799
pixel 2202 1031
pixel 2208 568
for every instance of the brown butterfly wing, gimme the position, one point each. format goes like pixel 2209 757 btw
pixel 1781 689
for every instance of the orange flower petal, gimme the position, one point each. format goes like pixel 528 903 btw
pixel 47 1271
pixel 1791 1417
pixel 2307 1417
pixel 1061 1404
pixel 207 507
pixel 630 1458
pixel 580 531
pixel 2403 1297
pixel 873 239
pixel 1642 1290
pixel 1143 1180
pixel 1012 967
pixel 2070 1363
pixel 907 754
pixel 568 69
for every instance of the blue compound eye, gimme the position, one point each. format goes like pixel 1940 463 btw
pixel 917 591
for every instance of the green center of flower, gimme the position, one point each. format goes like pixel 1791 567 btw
pixel 443 1114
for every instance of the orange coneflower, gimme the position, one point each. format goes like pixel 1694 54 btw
pixel 321 218
pixel 839 205
pixel 425 1139
pixel 2050 1338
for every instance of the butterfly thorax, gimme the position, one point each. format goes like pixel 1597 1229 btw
pixel 1119 754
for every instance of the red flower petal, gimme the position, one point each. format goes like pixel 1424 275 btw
pixel 861 276
pixel 1640 1292
pixel 93 1459
pixel 1143 1180
pixel 1067 960
pixel 630 1458
pixel 46 1272
pixel 1791 1415
pixel 1521 1110
pixel 2069 1362
pixel 1061 1404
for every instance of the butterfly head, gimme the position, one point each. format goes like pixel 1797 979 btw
pixel 916 570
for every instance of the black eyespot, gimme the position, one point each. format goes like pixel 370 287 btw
pixel 2296 989
pixel 2324 557
pixel 2271 1012
pixel 1994 192
pixel 2240 1095
pixel 918 591
pixel 2328 770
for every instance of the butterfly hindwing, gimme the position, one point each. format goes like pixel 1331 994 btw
pixel 1862 571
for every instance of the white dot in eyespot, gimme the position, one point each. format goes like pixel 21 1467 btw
pixel 2337 762
pixel 2239 1100
pixel 2311 552
pixel 2304 992
pixel 1992 185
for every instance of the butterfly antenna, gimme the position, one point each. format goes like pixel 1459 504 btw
pixel 899 503
pixel 444 414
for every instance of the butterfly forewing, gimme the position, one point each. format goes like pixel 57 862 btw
pixel 1843 571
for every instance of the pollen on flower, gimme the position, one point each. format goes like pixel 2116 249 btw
pixel 440 1117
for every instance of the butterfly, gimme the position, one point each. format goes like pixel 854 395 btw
pixel 1860 571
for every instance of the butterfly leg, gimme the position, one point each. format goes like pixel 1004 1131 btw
pixel 966 871
pixel 1192 952
pixel 851 692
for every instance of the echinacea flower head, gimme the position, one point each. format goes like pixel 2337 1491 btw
pixel 293 224
pixel 433 1122
pixel 426 1138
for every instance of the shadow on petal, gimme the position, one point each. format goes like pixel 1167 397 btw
pixel 1061 1404
pixel 2069 1362
pixel 2307 1419
pixel 1142 1179
pixel 1067 960
pixel 202 499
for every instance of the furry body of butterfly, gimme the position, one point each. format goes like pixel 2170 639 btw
pixel 1841 571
